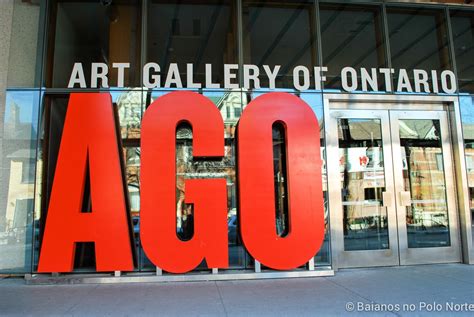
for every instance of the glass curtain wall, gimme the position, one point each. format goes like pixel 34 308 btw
pixel 351 35
pixel 279 33
pixel 192 32
pixel 467 117
pixel 91 31
pixel 418 39
pixel 462 26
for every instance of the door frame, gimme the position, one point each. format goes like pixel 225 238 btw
pixel 445 254
pixel 450 104
pixel 361 258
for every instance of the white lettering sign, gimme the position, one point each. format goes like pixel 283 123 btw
pixel 253 76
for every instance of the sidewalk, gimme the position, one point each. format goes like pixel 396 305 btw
pixel 393 291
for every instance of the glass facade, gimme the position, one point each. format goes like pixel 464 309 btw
pixel 358 42
pixel 49 37
pixel 462 24
pixel 279 33
pixel 102 32
pixel 418 39
pixel 467 111
pixel 18 161
pixel 185 32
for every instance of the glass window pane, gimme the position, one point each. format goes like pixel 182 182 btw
pixel 418 39
pixel 280 179
pixel 279 33
pixel 197 32
pixel 427 215
pixel 93 32
pixel 130 111
pixel 18 136
pixel 351 36
pixel 363 182
pixel 462 24
pixel 467 118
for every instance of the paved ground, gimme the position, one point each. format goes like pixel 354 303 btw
pixel 399 291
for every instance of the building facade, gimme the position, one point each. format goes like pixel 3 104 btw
pixel 395 110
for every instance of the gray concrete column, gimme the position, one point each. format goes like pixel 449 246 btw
pixel 6 16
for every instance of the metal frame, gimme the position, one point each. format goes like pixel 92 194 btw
pixel 407 102
pixel 436 254
pixel 36 279
pixel 363 258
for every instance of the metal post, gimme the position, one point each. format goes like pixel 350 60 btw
pixel 258 267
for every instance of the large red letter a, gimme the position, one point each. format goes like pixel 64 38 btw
pixel 89 136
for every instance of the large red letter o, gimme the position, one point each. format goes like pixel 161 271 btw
pixel 304 179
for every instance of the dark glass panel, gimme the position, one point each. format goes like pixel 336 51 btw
pixel 351 36
pixel 418 39
pixel 462 24
pixel 196 32
pixel 93 32
pixel 279 33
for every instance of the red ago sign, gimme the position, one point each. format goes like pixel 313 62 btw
pixel 90 137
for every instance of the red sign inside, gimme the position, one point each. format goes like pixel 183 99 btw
pixel 90 138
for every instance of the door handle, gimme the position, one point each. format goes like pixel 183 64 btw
pixel 405 198
pixel 386 199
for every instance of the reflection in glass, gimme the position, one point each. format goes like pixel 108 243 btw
pixel 351 36
pixel 93 32
pixel 418 39
pixel 466 104
pixel 197 32
pixel 129 107
pixel 462 24
pixel 423 174
pixel 184 160
pixel 17 178
pixel 131 156
pixel 363 182
pixel 280 179
pixel 279 33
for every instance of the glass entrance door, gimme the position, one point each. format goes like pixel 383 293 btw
pixel 424 186
pixel 391 189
